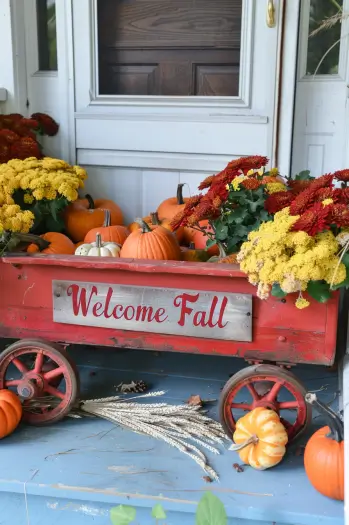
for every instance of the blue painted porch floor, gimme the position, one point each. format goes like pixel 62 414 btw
pixel 75 471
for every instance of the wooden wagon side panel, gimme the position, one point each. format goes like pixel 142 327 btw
pixel 280 333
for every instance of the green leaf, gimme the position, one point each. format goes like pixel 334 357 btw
pixel 221 233
pixel 53 209
pixel 345 260
pixel 210 511
pixel 210 242
pixel 236 215
pixel 122 515
pixel 241 230
pixel 319 290
pixel 303 175
pixel 53 225
pixel 276 291
pixel 158 512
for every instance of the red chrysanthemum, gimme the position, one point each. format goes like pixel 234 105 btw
pixel 340 215
pixel 314 220
pixel 254 162
pixel 206 183
pixel 5 154
pixel 25 147
pixel 297 186
pixel 326 181
pixel 324 193
pixel 30 123
pixel 9 136
pixel 278 201
pixel 342 175
pixel 22 131
pixel 251 183
pixel 47 123
pixel 302 202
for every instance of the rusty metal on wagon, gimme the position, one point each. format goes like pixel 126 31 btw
pixel 49 302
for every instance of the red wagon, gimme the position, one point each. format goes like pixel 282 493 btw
pixel 49 302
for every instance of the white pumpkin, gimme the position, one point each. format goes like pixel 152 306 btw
pixel 99 248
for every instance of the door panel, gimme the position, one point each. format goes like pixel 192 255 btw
pixel 161 47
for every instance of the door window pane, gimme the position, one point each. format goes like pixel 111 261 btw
pixel 169 47
pixel 320 43
pixel 47 36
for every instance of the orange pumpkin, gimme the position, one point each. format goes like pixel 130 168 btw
pixel 84 214
pixel 260 438
pixel 117 234
pixel 153 222
pixel 324 454
pixel 145 243
pixel 200 239
pixel 190 254
pixel 10 412
pixel 59 245
pixel 169 208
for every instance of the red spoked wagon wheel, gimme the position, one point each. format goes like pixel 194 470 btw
pixel 265 386
pixel 37 369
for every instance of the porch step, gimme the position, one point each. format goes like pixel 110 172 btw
pixel 75 471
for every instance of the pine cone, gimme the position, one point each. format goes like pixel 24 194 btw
pixel 134 387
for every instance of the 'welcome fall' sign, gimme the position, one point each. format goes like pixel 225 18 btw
pixel 210 315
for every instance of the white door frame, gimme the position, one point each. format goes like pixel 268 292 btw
pixel 16 62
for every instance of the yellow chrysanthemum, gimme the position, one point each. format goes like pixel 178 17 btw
pixel 275 254
pixel 326 202
pixel 28 199
pixel 274 172
pixel 237 181
pixel 275 187
pixel 302 303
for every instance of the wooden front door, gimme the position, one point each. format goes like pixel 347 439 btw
pixel 169 91
pixel 171 48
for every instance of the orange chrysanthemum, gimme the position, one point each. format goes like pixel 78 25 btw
pixel 251 183
pixel 314 220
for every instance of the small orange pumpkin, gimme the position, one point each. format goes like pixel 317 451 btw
pixel 260 438
pixel 153 222
pixel 59 244
pixel 145 243
pixel 10 412
pixel 324 453
pixel 169 208
pixel 200 239
pixel 117 233
pixel 84 214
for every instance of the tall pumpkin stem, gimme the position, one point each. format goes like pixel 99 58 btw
pixel 107 219
pixel 98 240
pixel 91 202
pixel 180 199
pixel 144 226
pixel 155 219
pixel 332 419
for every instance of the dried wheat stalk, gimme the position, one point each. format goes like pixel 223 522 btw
pixel 178 425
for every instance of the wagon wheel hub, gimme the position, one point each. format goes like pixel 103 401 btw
pixel 29 388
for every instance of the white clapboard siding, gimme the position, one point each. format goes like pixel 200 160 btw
pixel 139 191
